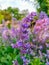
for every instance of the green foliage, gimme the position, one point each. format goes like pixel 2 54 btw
pixel 9 25
pixel 31 37
pixel 15 13
pixel 20 61
pixel 1 18
pixel 7 55
pixel 47 41
pixel 36 61
pixel 14 40
pixel 10 12
pixel 43 6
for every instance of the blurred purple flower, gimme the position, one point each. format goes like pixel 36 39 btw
pixel 25 25
pixel 47 63
pixel 27 45
pixel 48 52
pixel 24 51
pixel 19 43
pixel 14 45
pixel 15 62
pixel 25 61
pixel 43 15
pixel 5 34
pixel 41 30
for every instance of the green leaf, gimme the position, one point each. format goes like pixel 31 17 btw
pixel 14 40
pixel 36 61
pixel 20 61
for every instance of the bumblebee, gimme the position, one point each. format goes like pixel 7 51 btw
pixel 33 22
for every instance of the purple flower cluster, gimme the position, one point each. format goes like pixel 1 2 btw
pixel 41 29
pixel 29 43
pixel 42 15
pixel 23 42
